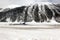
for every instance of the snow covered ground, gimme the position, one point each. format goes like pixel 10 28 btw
pixel 32 31
pixel 20 34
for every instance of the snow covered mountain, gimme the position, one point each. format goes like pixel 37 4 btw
pixel 41 12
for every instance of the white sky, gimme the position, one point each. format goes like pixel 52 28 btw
pixel 5 3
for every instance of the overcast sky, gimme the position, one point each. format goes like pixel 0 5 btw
pixel 5 3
